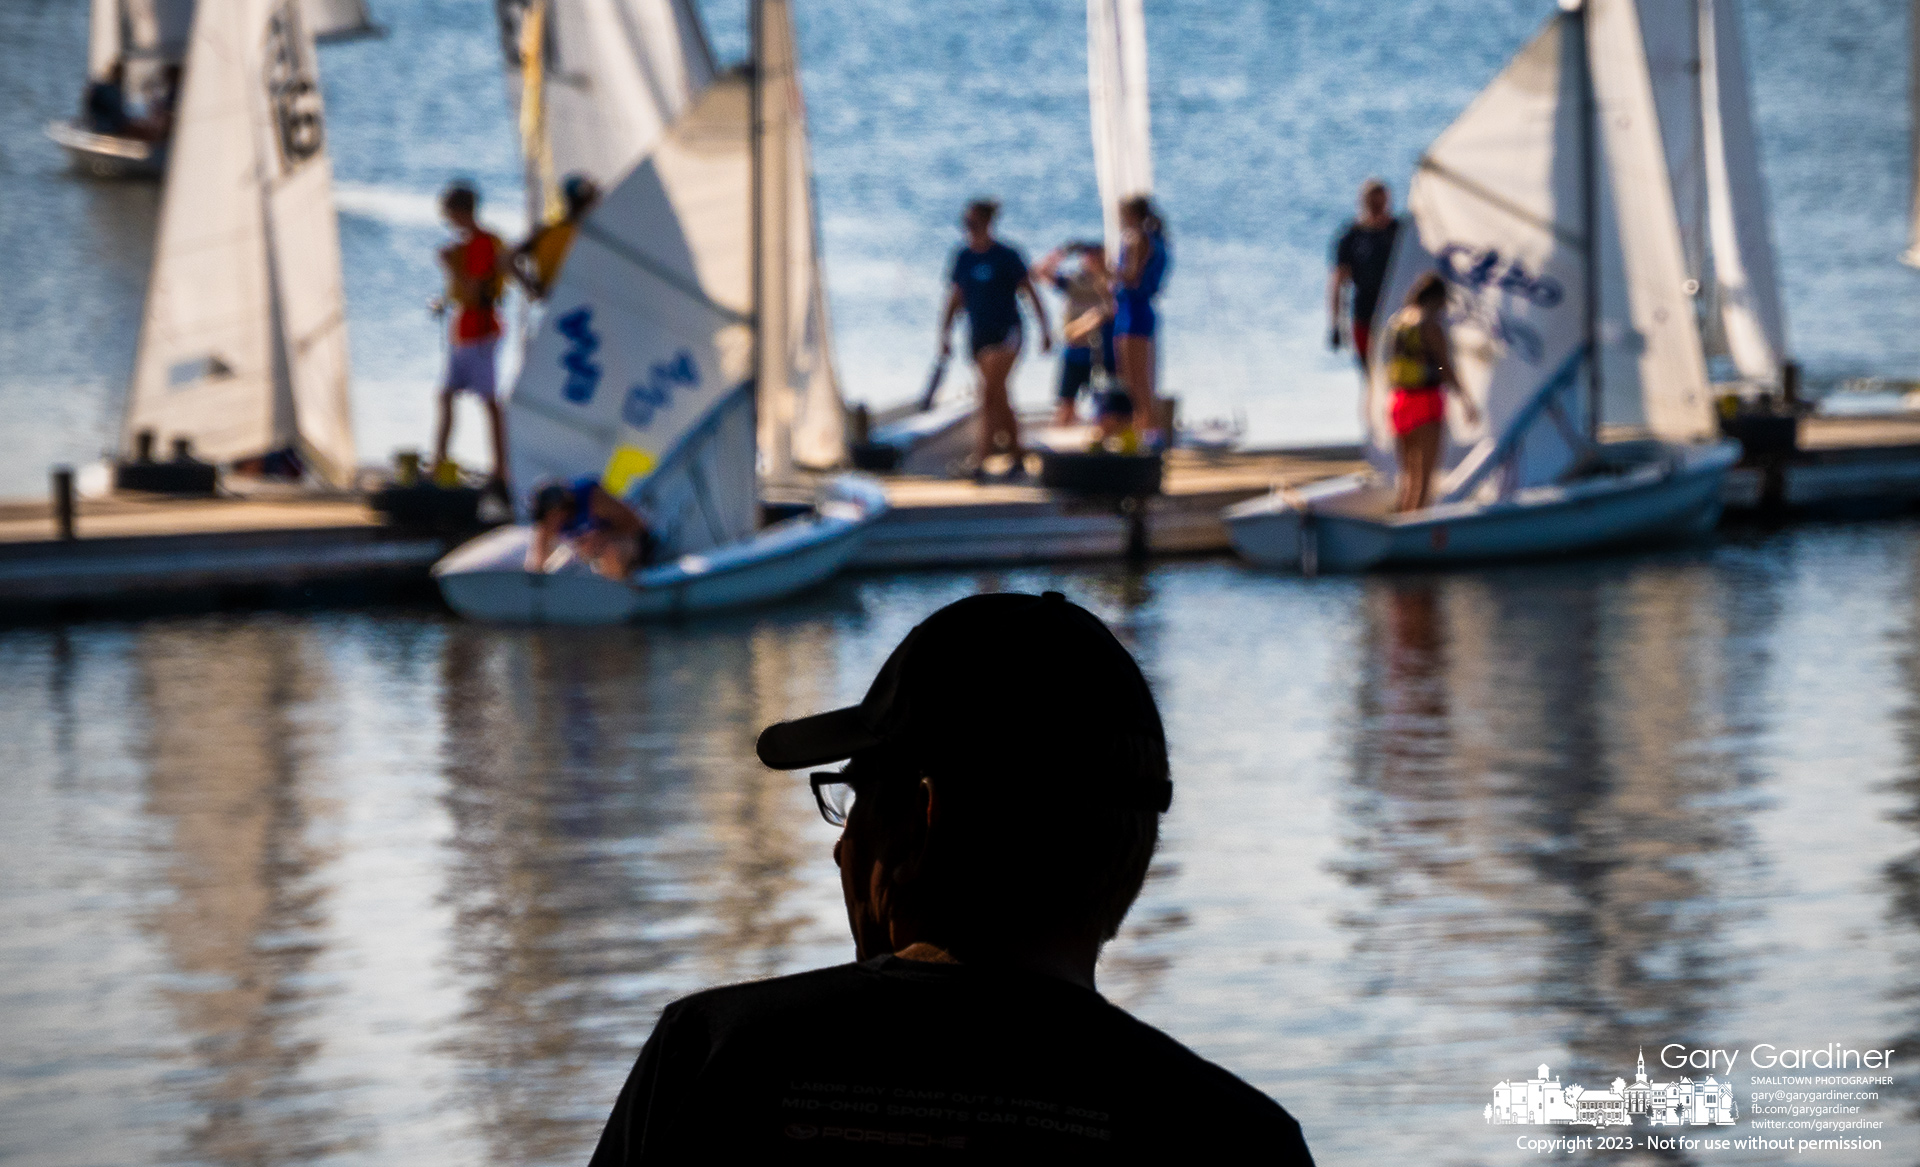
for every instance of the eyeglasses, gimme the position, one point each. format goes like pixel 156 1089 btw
pixel 833 794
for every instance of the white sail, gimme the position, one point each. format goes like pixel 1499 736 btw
pixel 1661 329
pixel 1497 206
pixel 1912 254
pixel 339 19
pixel 243 341
pixel 1671 30
pixel 1747 290
pixel 640 372
pixel 595 83
pixel 802 419
pixel 157 30
pixel 1117 91
pixel 103 38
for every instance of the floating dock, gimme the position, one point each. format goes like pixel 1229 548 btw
pixel 137 553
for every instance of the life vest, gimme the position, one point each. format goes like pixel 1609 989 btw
pixel 1409 364
pixel 493 284
pixel 548 250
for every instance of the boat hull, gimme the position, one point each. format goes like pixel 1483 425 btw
pixel 1325 528
pixel 109 155
pixel 486 578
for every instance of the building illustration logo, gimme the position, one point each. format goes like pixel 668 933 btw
pixel 1543 1101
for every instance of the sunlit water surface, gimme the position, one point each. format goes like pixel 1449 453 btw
pixel 391 888
pixel 1266 116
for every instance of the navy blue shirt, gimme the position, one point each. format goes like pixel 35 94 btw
pixel 988 279
pixel 898 1061
pixel 1366 251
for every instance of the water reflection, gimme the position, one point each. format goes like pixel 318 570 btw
pixel 248 906
pixel 397 888
pixel 609 831
pixel 1541 817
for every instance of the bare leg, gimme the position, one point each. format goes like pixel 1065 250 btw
pixel 499 421
pixel 1135 358
pixel 996 410
pixel 443 431
pixel 1403 453
pixel 1422 450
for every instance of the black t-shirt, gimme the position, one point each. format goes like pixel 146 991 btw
pixel 1365 252
pixel 902 1060
pixel 988 280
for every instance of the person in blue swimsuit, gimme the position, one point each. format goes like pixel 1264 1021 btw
pixel 1143 268
pixel 602 530
pixel 986 279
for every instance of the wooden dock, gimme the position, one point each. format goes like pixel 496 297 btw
pixel 138 552
pixel 134 553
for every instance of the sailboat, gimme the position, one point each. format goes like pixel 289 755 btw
pixel 594 84
pixel 145 39
pixel 243 343
pixel 1548 209
pixel 1117 96
pixel 685 341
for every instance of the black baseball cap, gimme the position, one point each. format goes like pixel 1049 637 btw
pixel 1011 686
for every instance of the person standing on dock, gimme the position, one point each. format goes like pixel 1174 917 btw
pixel 1360 258
pixel 1086 322
pixel 996 826
pixel 986 279
pixel 1420 369
pixel 476 267
pixel 1143 268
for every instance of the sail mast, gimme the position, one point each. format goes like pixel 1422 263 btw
pixel 756 200
pixel 1589 208
pixel 1912 254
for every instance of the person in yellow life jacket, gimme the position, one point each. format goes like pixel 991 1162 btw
pixel 1420 370
pixel 537 262
pixel 476 264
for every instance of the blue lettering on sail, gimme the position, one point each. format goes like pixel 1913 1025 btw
pixel 583 375
pixel 1477 271
pixel 648 397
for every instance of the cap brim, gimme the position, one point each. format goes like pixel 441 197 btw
pixel 815 741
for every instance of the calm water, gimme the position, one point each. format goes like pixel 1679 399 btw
pixel 1267 114
pixel 356 888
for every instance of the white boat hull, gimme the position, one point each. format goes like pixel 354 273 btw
pixel 486 579
pixel 109 155
pixel 1338 525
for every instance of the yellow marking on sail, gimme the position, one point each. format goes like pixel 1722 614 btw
pixel 628 465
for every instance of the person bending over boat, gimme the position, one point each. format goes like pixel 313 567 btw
pixel 476 266
pixel 996 826
pixel 103 107
pixel 537 262
pixel 606 533
pixel 1143 267
pixel 1420 370
pixel 986 279
pixel 1086 322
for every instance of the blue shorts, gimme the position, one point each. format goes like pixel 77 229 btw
pixel 1006 335
pixel 1076 372
pixel 470 367
pixel 1132 317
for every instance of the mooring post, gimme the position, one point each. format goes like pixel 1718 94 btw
pixel 63 502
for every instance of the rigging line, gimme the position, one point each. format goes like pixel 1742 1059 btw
pixel 1571 238
pixel 659 271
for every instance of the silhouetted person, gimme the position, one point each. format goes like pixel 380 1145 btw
pixel 997 825
pixel 986 279
pixel 1360 258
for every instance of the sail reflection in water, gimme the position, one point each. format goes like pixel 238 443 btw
pixel 358 887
